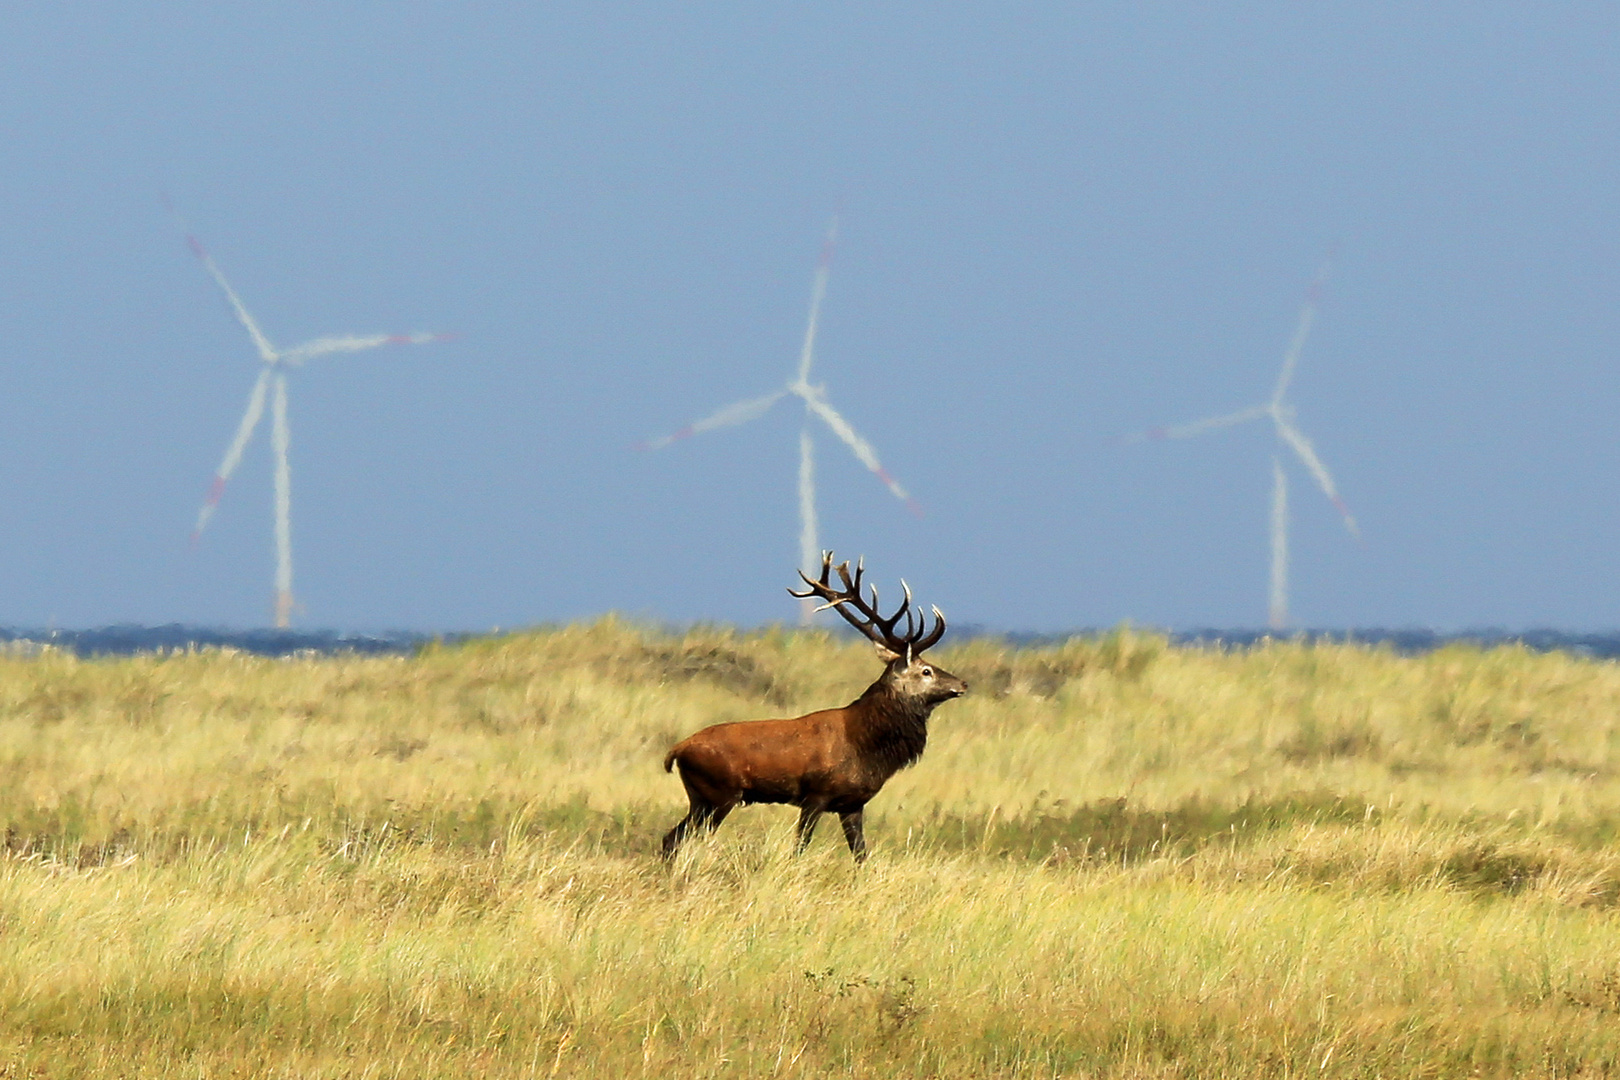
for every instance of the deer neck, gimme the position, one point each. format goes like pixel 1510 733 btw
pixel 893 729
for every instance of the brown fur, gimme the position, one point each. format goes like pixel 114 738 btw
pixel 832 761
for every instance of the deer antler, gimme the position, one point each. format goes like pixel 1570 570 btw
pixel 866 617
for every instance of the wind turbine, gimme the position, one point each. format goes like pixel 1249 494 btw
pixel 272 381
pixel 1281 414
pixel 815 405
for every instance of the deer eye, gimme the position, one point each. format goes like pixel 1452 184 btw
pixel 928 672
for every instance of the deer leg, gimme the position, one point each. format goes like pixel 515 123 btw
pixel 808 815
pixel 716 816
pixel 853 834
pixel 702 815
pixel 676 836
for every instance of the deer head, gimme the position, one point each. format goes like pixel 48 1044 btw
pixel 907 675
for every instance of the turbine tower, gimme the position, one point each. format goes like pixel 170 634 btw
pixel 272 381
pixel 815 406
pixel 1281 414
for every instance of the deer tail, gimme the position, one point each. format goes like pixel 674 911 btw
pixel 669 761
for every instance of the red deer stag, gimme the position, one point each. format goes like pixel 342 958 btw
pixel 834 760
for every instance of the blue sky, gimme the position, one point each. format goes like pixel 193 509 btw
pixel 1060 224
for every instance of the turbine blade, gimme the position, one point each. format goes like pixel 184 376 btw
pixel 809 546
pixel 1307 454
pixel 1307 315
pixel 1278 608
pixel 860 447
pixel 233 453
pixel 349 343
pixel 267 352
pixel 736 413
pixel 1198 427
pixel 818 292
pixel 279 438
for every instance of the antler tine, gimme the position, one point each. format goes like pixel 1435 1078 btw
pixel 852 587
pixel 933 637
pixel 817 588
pixel 898 644
pixel 869 610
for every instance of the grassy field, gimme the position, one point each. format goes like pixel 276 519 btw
pixel 1116 858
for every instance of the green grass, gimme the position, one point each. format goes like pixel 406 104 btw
pixel 1117 858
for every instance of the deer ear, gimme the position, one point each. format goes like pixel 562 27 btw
pixel 887 654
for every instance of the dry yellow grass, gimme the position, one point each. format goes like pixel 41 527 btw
pixel 1116 859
